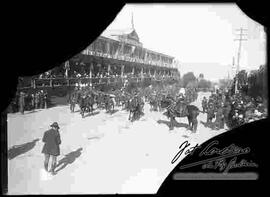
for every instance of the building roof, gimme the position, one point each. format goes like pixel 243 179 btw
pixel 118 31
pixel 115 33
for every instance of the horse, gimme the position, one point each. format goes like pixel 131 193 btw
pixel 100 100
pixel 178 109
pixel 125 101
pixel 135 108
pixel 86 104
pixel 109 104
pixel 153 101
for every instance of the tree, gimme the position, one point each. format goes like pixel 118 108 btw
pixel 192 84
pixel 204 84
pixel 188 77
pixel 224 83
pixel 257 83
pixel 201 76
pixel 242 81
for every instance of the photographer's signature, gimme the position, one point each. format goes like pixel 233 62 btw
pixel 218 161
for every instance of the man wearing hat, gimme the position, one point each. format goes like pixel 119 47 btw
pixel 51 148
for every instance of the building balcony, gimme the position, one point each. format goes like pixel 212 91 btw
pixel 127 58
pixel 62 81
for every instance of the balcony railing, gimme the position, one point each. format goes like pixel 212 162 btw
pixel 56 82
pixel 127 58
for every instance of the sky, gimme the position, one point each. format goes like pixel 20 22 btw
pixel 200 36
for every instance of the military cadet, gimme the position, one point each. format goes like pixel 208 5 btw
pixel 204 104
pixel 210 111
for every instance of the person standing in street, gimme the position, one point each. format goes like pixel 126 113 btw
pixel 72 102
pixel 41 103
pixel 37 100
pixel 33 101
pixel 21 103
pixel 210 112
pixel 45 100
pixel 51 148
pixel 204 104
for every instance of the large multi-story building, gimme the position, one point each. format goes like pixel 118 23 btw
pixel 115 53
pixel 122 51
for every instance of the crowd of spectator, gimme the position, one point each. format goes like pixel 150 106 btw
pixel 233 109
pixel 24 101
pixel 246 109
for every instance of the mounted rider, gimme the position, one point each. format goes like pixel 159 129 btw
pixel 180 103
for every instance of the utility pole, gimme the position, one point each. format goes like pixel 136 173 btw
pixel 239 51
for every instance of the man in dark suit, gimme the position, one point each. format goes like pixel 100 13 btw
pixel 22 102
pixel 51 148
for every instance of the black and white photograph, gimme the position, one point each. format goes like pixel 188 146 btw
pixel 112 118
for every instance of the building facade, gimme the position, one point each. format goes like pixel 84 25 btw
pixel 112 57
pixel 122 49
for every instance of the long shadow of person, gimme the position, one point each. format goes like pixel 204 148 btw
pixel 175 124
pixel 68 159
pixel 91 114
pixel 21 149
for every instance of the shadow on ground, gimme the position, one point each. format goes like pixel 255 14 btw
pixel 91 114
pixel 175 124
pixel 95 137
pixel 33 111
pixel 21 149
pixel 68 159
pixel 113 112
